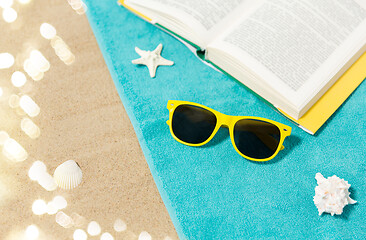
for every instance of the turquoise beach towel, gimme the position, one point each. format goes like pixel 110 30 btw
pixel 211 192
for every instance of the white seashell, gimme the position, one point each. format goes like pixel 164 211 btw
pixel 331 194
pixel 68 175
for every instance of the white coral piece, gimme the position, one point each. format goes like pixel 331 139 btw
pixel 331 194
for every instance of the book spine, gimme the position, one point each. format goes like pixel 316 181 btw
pixel 196 50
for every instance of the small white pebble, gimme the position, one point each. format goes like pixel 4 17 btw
pixel 39 207
pixel 3 137
pixel 94 228
pixel 64 220
pixel 47 181
pixel 51 208
pixel 36 170
pixel 119 225
pixel 106 236
pixel 60 202
pixel 47 31
pixel 144 236
pixel 80 234
pixel 32 232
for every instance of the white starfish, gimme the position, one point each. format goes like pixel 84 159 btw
pixel 152 59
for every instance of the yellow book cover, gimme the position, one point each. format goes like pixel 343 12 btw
pixel 318 114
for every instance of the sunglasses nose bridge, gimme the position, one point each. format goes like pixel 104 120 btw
pixel 226 120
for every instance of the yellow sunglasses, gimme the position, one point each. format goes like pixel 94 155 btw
pixel 254 138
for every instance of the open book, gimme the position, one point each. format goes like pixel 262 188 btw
pixel 289 52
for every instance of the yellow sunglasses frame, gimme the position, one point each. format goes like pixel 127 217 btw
pixel 228 121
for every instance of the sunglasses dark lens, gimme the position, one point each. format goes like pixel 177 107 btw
pixel 192 124
pixel 256 139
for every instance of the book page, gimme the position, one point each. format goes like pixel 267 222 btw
pixel 298 45
pixel 203 17
pixel 206 12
